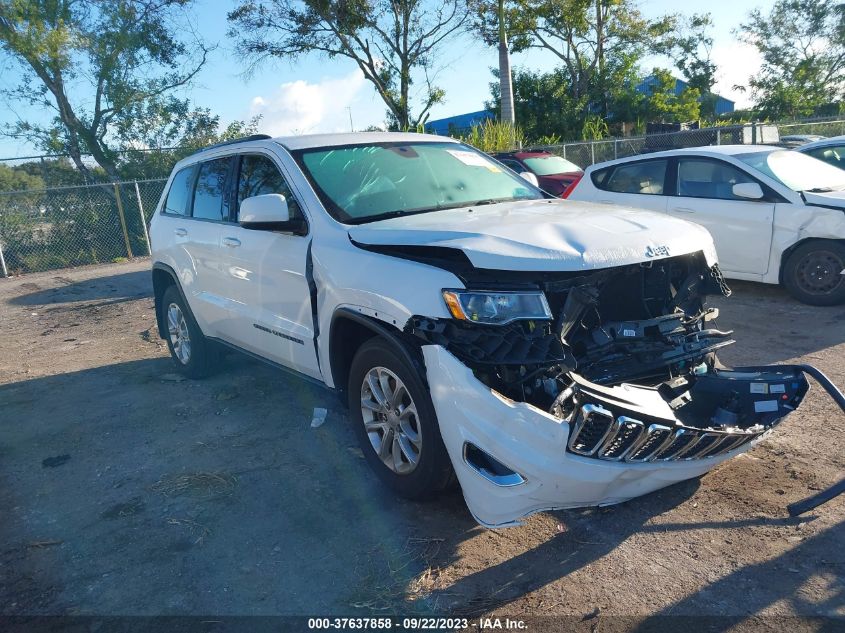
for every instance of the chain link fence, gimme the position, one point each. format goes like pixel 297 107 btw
pixel 62 227
pixel 586 153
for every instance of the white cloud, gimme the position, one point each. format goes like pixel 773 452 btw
pixel 736 62
pixel 301 107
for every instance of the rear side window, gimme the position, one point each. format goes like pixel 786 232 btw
pixel 180 192
pixel 646 177
pixel 258 176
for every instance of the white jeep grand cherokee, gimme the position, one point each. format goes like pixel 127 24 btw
pixel 550 354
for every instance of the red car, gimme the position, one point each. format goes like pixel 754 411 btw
pixel 556 175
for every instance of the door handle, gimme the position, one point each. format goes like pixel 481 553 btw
pixel 683 209
pixel 181 232
pixel 231 242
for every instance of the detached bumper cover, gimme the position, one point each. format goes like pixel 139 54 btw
pixel 626 442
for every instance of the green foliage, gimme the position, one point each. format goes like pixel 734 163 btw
pixel 598 43
pixel 123 60
pixel 543 104
pixel 663 105
pixel 594 129
pixel 395 43
pixel 803 47
pixel 494 136
pixel 16 179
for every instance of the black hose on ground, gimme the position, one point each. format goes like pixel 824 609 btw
pixel 805 505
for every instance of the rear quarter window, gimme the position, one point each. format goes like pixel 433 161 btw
pixel 179 193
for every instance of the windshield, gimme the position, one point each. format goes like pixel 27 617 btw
pixel 797 171
pixel 548 165
pixel 364 183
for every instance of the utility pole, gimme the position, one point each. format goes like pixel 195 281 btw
pixel 505 83
pixel 349 110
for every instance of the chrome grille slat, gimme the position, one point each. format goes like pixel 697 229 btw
pixel 597 433
pixel 706 441
pixel 592 427
pixel 625 434
pixel 683 440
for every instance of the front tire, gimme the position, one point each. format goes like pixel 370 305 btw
pixel 813 273
pixel 395 422
pixel 193 354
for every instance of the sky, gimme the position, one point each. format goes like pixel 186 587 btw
pixel 314 94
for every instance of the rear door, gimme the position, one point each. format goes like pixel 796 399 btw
pixel 741 228
pixel 640 184
pixel 266 279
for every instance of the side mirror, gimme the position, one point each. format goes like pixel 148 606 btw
pixel 748 190
pixel 527 175
pixel 268 212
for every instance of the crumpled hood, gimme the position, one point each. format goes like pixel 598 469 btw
pixel 544 235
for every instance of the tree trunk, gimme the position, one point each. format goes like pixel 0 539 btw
pixel 507 114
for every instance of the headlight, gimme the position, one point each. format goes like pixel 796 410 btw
pixel 496 308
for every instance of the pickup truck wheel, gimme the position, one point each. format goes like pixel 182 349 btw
pixel 813 273
pixel 395 422
pixel 191 351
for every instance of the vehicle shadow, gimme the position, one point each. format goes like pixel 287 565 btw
pixel 774 327
pixel 585 536
pixel 789 579
pixel 108 290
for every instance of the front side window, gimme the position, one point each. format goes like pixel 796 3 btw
pixel 210 192
pixel 646 177
pixel 177 199
pixel 364 183
pixel 709 179
pixel 259 176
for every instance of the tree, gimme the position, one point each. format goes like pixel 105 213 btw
pixel 508 114
pixel 542 102
pixel 598 42
pixel 96 65
pixel 802 43
pixel 394 43
pixel 663 104
pixel 16 179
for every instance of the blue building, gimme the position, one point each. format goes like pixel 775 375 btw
pixel 646 86
pixel 458 123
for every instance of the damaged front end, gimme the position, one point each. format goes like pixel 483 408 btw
pixel 616 391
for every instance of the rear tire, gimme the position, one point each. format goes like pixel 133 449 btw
pixel 193 354
pixel 400 436
pixel 812 274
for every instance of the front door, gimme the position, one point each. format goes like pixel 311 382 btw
pixel 267 284
pixel 741 228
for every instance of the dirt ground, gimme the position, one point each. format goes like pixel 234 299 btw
pixel 126 491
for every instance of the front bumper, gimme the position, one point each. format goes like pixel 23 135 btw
pixel 536 464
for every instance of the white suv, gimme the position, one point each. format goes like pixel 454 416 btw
pixel 548 353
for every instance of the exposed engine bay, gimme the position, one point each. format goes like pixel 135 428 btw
pixel 628 359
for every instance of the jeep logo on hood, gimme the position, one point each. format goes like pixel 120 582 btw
pixel 657 251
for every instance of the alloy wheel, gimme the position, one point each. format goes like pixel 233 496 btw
pixel 391 420
pixel 177 329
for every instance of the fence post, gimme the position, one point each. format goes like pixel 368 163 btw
pixel 122 220
pixel 592 152
pixel 3 261
pixel 143 218
pixel 564 150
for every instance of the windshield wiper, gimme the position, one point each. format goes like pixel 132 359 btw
pixel 820 190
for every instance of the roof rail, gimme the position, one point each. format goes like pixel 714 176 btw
pixel 243 139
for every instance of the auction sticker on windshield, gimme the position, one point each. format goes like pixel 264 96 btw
pixel 473 159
